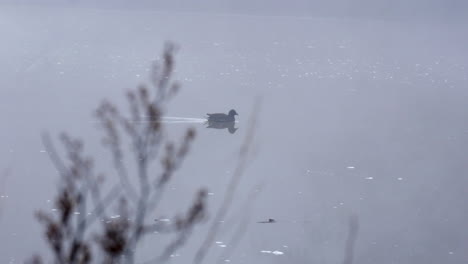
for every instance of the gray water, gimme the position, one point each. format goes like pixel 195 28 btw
pixel 361 117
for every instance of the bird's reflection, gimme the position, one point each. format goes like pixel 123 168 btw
pixel 222 125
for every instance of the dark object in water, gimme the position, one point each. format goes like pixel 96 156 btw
pixel 219 117
pixel 269 221
pixel 222 125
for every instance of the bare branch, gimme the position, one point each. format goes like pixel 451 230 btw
pixel 185 225
pixel 53 156
pixel 242 226
pixel 109 117
pixel 353 229
pixel 68 231
pixel 232 187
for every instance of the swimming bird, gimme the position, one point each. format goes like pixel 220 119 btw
pixel 219 117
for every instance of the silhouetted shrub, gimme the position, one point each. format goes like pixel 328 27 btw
pixel 72 232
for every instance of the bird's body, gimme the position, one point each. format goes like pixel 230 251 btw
pixel 222 125
pixel 220 117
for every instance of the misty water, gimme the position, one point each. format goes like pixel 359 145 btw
pixel 364 117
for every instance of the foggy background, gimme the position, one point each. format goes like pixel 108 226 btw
pixel 446 9
pixel 364 112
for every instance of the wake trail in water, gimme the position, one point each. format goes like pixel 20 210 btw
pixel 182 120
pixel 172 120
pixel 176 119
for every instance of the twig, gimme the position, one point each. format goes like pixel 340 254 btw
pixel 4 176
pixel 242 227
pixel 231 188
pixel 353 229
pixel 96 213
pixel 53 155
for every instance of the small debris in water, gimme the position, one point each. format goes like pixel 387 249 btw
pixel 276 252
pixel 351 167
pixel 162 220
pixel 369 178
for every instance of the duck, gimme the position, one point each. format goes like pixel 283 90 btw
pixel 220 117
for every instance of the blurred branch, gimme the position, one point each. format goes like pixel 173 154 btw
pixel 53 155
pixel 140 191
pixel 353 229
pixel 107 113
pixel 5 174
pixel 242 226
pixel 185 225
pixel 232 186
